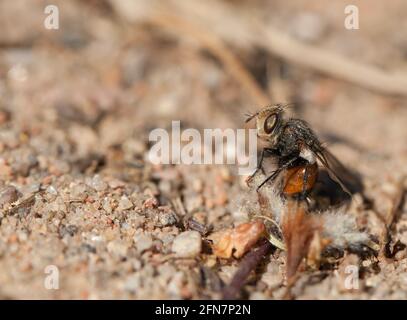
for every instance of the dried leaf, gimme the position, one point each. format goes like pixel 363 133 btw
pixel 317 245
pixel 298 231
pixel 237 241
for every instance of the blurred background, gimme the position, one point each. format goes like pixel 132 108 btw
pixel 77 105
pixel 117 67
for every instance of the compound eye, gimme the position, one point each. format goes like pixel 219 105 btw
pixel 270 123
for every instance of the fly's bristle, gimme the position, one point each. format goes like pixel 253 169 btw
pixel 282 107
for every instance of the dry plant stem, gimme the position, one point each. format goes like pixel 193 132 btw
pixel 24 44
pixel 246 30
pixel 163 17
pixel 215 45
pixel 334 65
pixel 391 218
pixel 290 284
pixel 247 265
pixel 257 32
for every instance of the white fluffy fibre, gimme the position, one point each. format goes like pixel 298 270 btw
pixel 338 225
pixel 276 204
pixel 341 228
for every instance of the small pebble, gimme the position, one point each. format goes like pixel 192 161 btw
pixel 143 242
pixel 8 195
pixel 78 192
pixel 31 188
pixel 187 245
pixel 114 184
pixel 108 204
pixel 167 218
pixel 98 184
pixel 124 204
pixel 151 202
pixel 117 247
pixel 68 230
pixel 52 190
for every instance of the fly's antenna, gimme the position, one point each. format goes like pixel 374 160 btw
pixel 250 116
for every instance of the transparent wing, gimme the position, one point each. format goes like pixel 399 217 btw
pixel 338 172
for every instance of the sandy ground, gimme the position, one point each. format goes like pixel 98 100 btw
pixel 77 190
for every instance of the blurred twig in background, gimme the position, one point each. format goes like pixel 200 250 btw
pixel 212 23
pixel 172 21
pixel 216 46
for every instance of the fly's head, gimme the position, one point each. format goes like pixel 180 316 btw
pixel 269 121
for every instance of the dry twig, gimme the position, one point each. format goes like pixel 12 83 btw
pixel 390 219
pixel 247 265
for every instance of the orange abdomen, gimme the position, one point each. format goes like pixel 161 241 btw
pixel 294 179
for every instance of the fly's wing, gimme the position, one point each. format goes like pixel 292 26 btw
pixel 337 171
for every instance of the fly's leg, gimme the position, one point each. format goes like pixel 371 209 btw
pixel 260 164
pixel 303 195
pixel 275 173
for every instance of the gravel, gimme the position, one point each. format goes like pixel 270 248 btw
pixel 124 204
pixel 143 242
pixel 77 190
pixel 8 195
pixel 187 245
pixel 167 217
